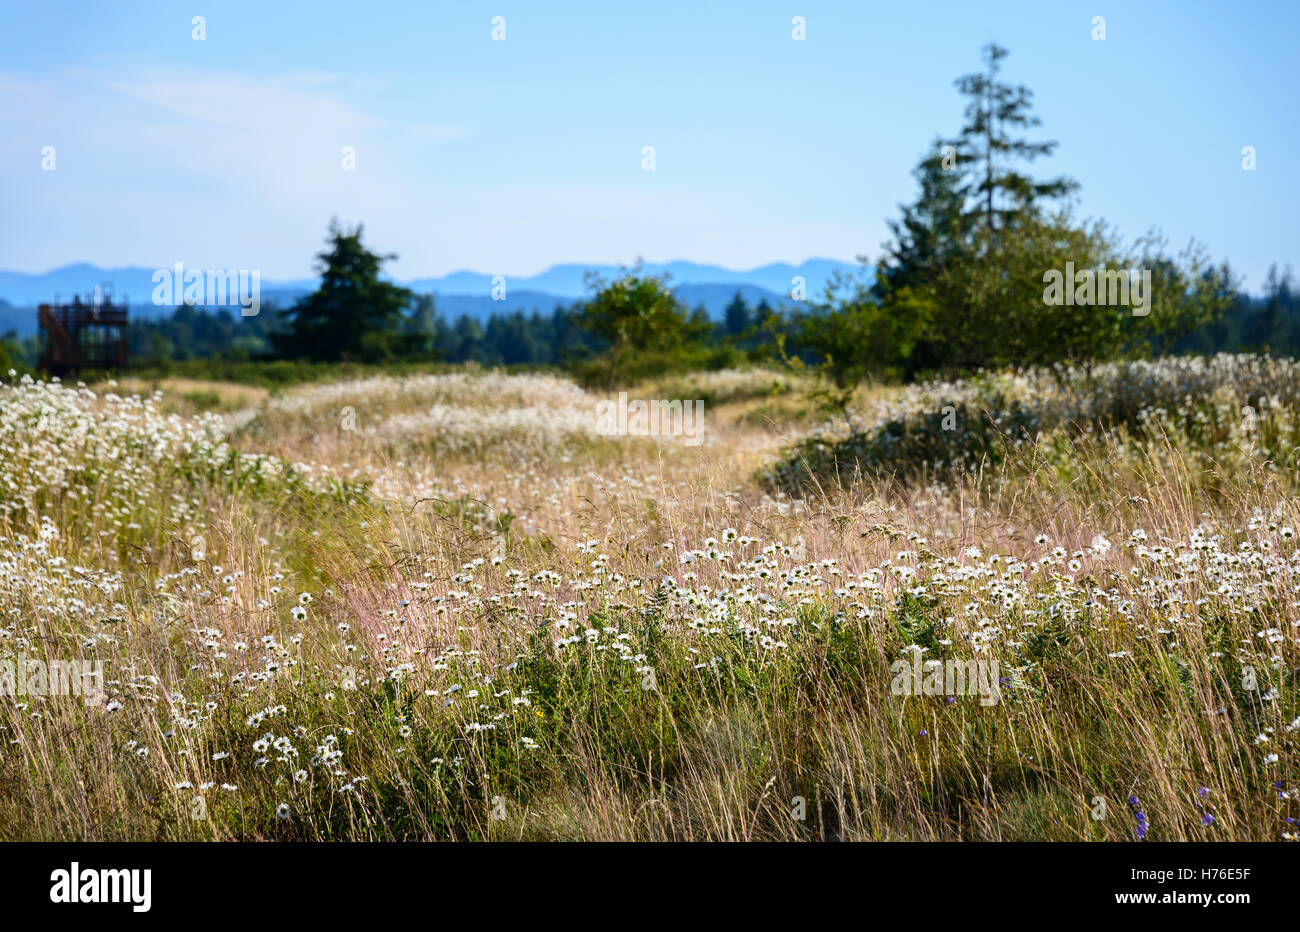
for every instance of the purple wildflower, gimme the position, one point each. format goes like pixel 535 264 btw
pixel 1140 816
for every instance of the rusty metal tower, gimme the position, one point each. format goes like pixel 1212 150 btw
pixel 82 335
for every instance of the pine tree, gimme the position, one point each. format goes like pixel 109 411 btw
pixel 737 316
pixel 353 314
pixel 966 254
pixel 468 337
pixel 423 330
pixel 931 232
pixel 985 147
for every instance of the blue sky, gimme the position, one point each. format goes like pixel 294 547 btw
pixel 508 156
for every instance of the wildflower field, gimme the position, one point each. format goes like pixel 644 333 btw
pixel 448 607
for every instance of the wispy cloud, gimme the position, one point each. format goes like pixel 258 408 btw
pixel 208 161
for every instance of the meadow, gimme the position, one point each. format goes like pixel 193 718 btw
pixel 446 606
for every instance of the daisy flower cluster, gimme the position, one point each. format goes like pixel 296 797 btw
pixel 644 629
pixel 1219 406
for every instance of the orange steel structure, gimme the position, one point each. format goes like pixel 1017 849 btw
pixel 80 336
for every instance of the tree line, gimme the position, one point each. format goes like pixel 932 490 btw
pixel 959 286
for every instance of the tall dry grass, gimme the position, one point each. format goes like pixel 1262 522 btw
pixel 313 632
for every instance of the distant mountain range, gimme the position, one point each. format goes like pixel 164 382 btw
pixel 458 293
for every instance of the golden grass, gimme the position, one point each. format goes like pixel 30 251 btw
pixel 578 588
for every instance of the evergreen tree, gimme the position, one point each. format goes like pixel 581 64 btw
pixel 967 257
pixel 423 331
pixel 985 148
pixel 737 316
pixel 353 314
pixel 468 339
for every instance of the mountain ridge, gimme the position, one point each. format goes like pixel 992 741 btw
pixel 463 291
pixel 563 280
